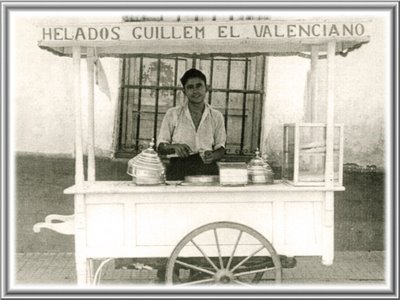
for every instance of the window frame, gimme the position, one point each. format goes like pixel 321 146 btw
pixel 257 91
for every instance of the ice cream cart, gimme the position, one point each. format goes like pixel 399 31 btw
pixel 209 234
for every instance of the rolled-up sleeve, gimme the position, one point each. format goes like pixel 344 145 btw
pixel 166 130
pixel 219 132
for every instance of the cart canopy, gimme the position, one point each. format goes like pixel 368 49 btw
pixel 251 37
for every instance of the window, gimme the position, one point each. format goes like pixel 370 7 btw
pixel 150 86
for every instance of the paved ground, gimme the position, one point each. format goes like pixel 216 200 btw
pixel 361 267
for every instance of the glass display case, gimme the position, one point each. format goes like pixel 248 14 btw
pixel 304 152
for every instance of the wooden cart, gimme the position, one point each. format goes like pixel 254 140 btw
pixel 213 234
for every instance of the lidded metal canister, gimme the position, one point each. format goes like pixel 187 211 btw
pixel 259 170
pixel 146 168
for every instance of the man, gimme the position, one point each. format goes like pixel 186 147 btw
pixel 194 132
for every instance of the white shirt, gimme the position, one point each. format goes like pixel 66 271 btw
pixel 178 128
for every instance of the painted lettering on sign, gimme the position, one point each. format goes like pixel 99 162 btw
pixel 81 33
pixel 167 33
pixel 309 30
pixel 189 31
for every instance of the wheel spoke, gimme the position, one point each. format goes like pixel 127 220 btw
pixel 194 267
pixel 254 271
pixel 221 263
pixel 205 256
pixel 234 267
pixel 198 281
pixel 234 249
pixel 247 258
pixel 240 282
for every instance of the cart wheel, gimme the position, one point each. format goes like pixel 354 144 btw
pixel 237 254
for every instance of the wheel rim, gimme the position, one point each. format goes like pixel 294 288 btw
pixel 233 254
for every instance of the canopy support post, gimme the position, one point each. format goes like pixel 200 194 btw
pixel 264 120
pixel 80 230
pixel 310 111
pixel 328 216
pixel 309 115
pixel 76 60
pixel 330 114
pixel 313 83
pixel 91 141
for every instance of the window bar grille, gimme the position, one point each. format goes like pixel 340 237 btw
pixel 175 80
pixel 125 140
pixel 194 62
pixel 136 86
pixel 139 108
pixel 237 91
pixel 157 98
pixel 211 80
pixel 246 68
pixel 261 104
pixel 130 105
pixel 121 95
pixel 228 81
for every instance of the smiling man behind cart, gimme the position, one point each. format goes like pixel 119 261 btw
pixel 193 132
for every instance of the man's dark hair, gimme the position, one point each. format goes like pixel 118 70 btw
pixel 193 73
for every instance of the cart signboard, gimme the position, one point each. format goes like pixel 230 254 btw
pixel 204 37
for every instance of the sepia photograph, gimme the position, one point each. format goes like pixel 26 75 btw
pixel 203 149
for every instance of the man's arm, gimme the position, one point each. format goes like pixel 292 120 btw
pixel 182 150
pixel 219 140
pixel 216 155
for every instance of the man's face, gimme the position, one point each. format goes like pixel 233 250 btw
pixel 195 89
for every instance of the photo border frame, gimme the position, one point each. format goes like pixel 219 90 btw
pixel 392 171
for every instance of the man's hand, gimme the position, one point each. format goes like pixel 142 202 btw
pixel 182 150
pixel 210 156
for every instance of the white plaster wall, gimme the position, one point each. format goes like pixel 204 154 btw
pixel 43 104
pixel 42 94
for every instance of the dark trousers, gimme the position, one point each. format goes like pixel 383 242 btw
pixel 178 167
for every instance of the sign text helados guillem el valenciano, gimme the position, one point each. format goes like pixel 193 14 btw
pixel 187 31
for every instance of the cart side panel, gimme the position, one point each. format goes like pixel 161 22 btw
pixel 303 228
pixel 165 224
pixel 105 225
pixel 151 225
